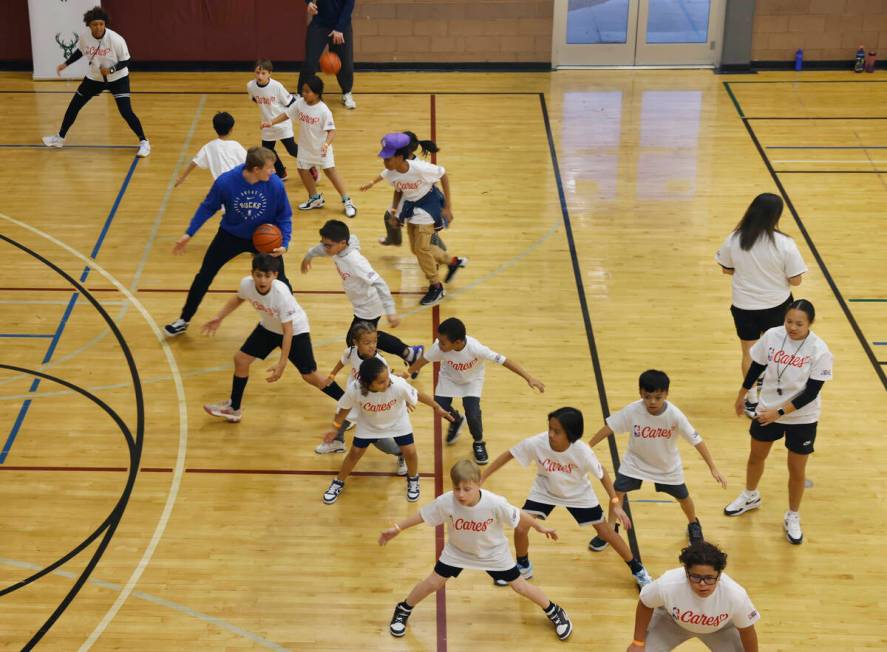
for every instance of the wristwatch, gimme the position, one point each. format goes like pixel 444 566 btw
pixel 780 412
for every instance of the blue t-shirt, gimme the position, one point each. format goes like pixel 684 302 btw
pixel 246 206
pixel 333 14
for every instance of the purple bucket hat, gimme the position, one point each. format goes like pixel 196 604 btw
pixel 393 142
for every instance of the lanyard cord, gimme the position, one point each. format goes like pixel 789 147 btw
pixel 782 346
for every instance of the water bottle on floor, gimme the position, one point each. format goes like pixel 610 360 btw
pixel 799 59
pixel 860 59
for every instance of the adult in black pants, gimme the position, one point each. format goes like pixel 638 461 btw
pixel 251 194
pixel 331 23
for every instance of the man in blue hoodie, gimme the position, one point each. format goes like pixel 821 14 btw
pixel 330 24
pixel 251 194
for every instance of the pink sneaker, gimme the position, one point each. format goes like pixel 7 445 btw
pixel 224 411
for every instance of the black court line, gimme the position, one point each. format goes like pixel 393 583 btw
pixel 831 171
pixel 135 453
pixel 879 371
pixel 69 92
pixel 586 318
pixel 815 117
pixel 811 81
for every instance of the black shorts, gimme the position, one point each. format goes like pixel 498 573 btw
pixel 445 570
pixel 89 88
pixel 403 440
pixel 583 515
pixel 625 484
pixel 751 324
pixel 261 342
pixel 799 437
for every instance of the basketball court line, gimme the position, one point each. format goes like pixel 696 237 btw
pixel 42 92
pixel 41 335
pixel 220 471
pixel 831 171
pixel 845 308
pixel 42 146
pixel 35 384
pixel 825 147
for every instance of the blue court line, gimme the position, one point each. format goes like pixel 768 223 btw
pixel 42 146
pixel 826 146
pixel 650 500
pixel 880 343
pixel 7 446
pixel 26 335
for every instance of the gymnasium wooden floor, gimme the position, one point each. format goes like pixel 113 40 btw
pixel 186 533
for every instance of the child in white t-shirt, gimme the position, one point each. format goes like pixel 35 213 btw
pixel 697 600
pixel 366 290
pixel 563 464
pixel 316 132
pixel 462 374
pixel 284 325
pixel 363 338
pixel 383 403
pixel 654 425
pixel 219 155
pixel 474 519
pixel 425 209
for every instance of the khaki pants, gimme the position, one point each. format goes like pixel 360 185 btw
pixel 665 634
pixel 428 255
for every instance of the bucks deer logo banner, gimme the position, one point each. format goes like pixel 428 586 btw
pixel 55 31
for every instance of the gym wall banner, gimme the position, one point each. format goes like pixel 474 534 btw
pixel 56 26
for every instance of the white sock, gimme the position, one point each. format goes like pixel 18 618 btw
pixel 751 494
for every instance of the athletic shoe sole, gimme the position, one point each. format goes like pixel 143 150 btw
pixel 230 418
pixel 597 548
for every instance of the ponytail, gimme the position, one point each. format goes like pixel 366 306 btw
pixel 428 146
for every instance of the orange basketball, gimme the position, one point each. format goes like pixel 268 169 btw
pixel 330 63
pixel 267 238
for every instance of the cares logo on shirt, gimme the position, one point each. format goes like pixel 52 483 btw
pixel 378 407
pixel 692 618
pixel 345 275
pixel 553 466
pixel 97 52
pixel 308 119
pixel 788 359
pixel 462 366
pixel 265 100
pixel 404 185
pixel 471 525
pixel 250 204
pixel 648 432
pixel 262 308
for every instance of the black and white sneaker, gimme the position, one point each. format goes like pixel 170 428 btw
pixel 744 502
pixel 561 621
pixel 455 427
pixel 434 295
pixel 792 526
pixel 453 266
pixel 694 532
pixel 331 495
pixel 177 327
pixel 750 409
pixel 415 352
pixel 597 543
pixel 480 452
pixel 398 626
pixel 412 489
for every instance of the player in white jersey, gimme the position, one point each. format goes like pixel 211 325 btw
pixel 763 264
pixel 383 403
pixel 654 425
pixel 425 209
pixel 316 133
pixel 272 98
pixel 108 58
pixel 795 363
pixel 698 600
pixel 283 325
pixel 219 155
pixel 475 539
pixel 363 346
pixel 462 375
pixel 563 464
pixel 366 290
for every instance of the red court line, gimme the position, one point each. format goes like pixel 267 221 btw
pixel 438 476
pixel 151 469
pixel 183 290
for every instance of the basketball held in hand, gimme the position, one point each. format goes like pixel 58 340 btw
pixel 267 238
pixel 330 63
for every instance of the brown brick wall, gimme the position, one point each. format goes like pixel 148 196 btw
pixel 827 30
pixel 441 31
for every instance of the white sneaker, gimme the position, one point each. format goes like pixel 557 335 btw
pixel 177 327
pixel 746 501
pixel 334 446
pixel 642 578
pixel 144 149
pixel 350 208
pixel 413 489
pixel 332 493
pixel 54 141
pixel 314 201
pixel 224 411
pixel 348 101
pixel 401 466
pixel 792 525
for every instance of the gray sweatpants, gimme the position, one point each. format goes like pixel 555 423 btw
pixel 664 634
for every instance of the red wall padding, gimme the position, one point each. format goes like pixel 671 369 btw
pixel 183 30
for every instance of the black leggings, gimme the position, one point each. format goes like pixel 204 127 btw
pixel 223 248
pixel 88 89
pixel 471 404
pixel 316 39
pixel 291 147
pixel 386 342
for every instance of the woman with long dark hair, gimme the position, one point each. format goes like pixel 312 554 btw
pixel 764 264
